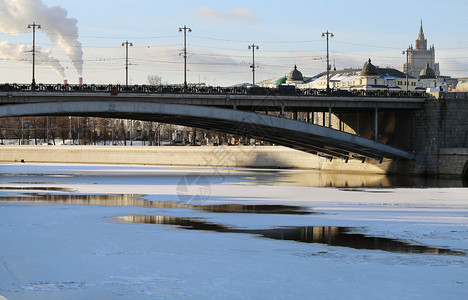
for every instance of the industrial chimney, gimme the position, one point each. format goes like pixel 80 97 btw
pixel 65 82
pixel 80 81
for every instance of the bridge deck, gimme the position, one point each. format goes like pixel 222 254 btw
pixel 238 101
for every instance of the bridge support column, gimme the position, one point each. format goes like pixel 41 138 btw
pixel 170 134
pixel 340 117
pixel 282 111
pixel 159 134
pixel 376 126
pixel 329 117
pixel 358 122
pixel 194 136
pixel 295 115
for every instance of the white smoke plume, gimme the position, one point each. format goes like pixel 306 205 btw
pixel 23 53
pixel 15 15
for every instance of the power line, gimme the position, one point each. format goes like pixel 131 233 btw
pixel 45 31
pixel 110 37
pixel 245 41
pixel 367 45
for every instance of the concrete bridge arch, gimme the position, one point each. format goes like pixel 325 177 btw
pixel 290 133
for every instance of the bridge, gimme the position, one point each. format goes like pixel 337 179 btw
pixel 238 111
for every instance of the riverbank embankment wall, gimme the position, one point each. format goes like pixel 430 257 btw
pixel 205 156
pixel 450 161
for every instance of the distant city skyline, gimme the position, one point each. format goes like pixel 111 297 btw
pixel 288 34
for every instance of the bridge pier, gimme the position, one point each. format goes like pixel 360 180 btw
pixel 440 137
pixel 453 162
pixel 437 134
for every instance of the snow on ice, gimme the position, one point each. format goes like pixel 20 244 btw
pixel 58 241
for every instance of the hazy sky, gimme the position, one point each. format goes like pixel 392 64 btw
pixel 287 33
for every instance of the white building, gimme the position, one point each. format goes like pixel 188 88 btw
pixel 369 77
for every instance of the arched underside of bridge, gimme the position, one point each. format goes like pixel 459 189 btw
pixel 290 133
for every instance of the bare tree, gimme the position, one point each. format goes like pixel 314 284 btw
pixel 154 80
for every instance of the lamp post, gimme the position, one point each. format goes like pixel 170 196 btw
pixel 253 47
pixel 407 65
pixel 34 26
pixel 126 44
pixel 327 34
pixel 185 28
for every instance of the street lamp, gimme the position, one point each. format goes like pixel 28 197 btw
pixel 185 28
pixel 328 60
pixel 34 26
pixel 126 44
pixel 253 47
pixel 407 65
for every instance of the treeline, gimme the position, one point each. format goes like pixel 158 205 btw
pixel 103 131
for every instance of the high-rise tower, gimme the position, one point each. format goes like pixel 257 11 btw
pixel 420 56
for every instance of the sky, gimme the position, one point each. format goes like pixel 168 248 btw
pixel 287 34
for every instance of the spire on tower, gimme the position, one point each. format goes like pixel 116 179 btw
pixel 421 42
pixel 421 32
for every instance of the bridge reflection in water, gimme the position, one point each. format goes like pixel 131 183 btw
pixel 344 180
pixel 133 200
pixel 330 235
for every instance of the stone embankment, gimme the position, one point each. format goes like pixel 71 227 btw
pixel 203 156
pixel 449 161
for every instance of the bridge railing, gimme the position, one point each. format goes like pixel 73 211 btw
pixel 196 89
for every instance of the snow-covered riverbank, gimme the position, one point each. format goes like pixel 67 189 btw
pixel 69 247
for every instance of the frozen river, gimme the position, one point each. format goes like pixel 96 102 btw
pixel 138 232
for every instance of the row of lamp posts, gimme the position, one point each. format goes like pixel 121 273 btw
pixel 186 29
